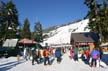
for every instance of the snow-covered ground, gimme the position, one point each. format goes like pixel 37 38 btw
pixel 11 64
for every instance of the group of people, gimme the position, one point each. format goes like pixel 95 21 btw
pixel 43 55
pixel 90 58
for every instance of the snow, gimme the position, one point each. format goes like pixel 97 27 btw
pixel 104 44
pixel 11 64
pixel 10 43
pixel 62 34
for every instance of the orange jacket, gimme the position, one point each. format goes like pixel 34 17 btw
pixel 45 53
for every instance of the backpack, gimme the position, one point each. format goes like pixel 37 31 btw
pixel 34 52
pixel 44 53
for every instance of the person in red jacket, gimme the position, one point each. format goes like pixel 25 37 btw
pixel 71 53
pixel 87 56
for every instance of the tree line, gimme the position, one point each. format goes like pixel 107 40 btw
pixel 10 27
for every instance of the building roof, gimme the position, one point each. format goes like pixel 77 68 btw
pixel 10 43
pixel 27 41
pixel 84 37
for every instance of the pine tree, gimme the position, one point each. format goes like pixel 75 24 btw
pixel 38 32
pixel 26 30
pixel 8 19
pixel 98 14
pixel 104 19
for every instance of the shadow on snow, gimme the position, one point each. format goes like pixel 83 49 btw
pixel 7 66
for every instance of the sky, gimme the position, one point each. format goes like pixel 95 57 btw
pixel 50 12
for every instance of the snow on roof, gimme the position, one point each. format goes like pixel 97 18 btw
pixel 104 44
pixel 10 43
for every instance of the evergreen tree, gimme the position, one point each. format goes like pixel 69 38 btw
pixel 26 30
pixel 2 22
pixel 104 19
pixel 98 14
pixel 8 20
pixel 38 32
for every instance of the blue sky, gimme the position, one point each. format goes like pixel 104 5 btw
pixel 50 12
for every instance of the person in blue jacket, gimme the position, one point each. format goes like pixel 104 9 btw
pixel 58 54
pixel 95 56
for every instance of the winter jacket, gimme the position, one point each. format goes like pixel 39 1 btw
pixel 45 53
pixel 87 53
pixel 57 53
pixel 95 54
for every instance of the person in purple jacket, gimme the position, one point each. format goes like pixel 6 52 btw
pixel 95 56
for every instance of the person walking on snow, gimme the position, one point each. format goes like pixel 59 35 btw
pixel 58 54
pixel 87 56
pixel 46 56
pixel 35 56
pixel 25 53
pixel 95 56
pixel 71 53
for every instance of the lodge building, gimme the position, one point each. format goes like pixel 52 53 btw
pixel 83 41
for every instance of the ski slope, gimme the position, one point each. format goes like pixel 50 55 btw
pixel 62 34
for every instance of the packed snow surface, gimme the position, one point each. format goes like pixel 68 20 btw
pixel 11 64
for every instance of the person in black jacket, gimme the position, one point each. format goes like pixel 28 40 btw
pixel 35 57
